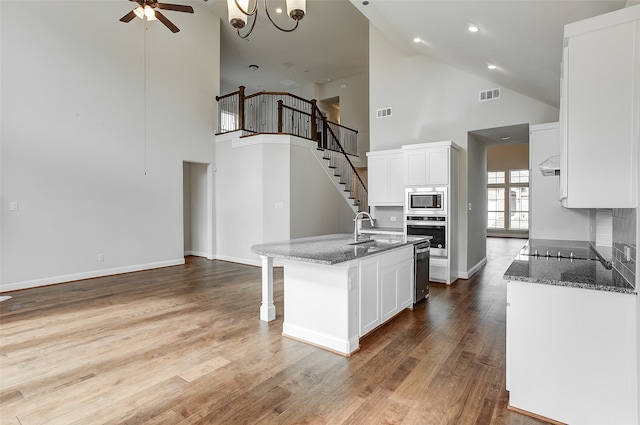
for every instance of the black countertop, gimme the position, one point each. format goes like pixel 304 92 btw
pixel 590 273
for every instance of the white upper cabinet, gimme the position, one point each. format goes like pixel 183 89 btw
pixel 600 111
pixel 386 177
pixel 427 164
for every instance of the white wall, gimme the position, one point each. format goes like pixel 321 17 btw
pixel 354 108
pixel 95 128
pixel 317 207
pixel 433 101
pixel 549 220
pixel 239 200
pixel 477 228
pixel 254 175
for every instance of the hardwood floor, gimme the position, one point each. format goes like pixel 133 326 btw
pixel 184 345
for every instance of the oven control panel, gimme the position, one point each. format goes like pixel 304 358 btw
pixel 432 218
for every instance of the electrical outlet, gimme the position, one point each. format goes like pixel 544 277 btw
pixel 469 206
pixel 393 218
pixel 279 205
pixel 100 257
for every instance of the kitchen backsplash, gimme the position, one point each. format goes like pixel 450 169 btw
pixel 383 216
pixel 624 242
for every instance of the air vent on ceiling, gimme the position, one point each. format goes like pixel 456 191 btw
pixel 489 95
pixel 384 112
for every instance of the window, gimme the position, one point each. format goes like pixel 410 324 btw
pixel 511 214
pixel 495 177
pixel 495 208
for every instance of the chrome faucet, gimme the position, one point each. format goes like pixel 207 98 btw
pixel 355 230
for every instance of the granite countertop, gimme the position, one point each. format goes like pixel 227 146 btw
pixel 332 249
pixel 589 273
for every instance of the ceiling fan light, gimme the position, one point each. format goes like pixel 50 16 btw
pixel 296 9
pixel 237 18
pixel 152 18
pixel 139 11
pixel 149 12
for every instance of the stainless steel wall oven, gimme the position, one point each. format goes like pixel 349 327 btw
pixel 434 226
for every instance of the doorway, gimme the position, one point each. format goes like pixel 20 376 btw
pixel 479 142
pixel 197 210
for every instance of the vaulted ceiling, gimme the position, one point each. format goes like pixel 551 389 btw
pixel 523 38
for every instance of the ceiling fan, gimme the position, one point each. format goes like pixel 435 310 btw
pixel 148 9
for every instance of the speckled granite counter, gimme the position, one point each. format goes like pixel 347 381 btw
pixel 331 249
pixel 578 273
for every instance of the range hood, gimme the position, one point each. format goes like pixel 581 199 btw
pixel 550 166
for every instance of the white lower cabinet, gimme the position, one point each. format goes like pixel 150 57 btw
pixel 439 270
pixel 369 294
pixel 569 355
pixel 386 282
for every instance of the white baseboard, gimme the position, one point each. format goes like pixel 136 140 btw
pixel 197 254
pixel 87 275
pixel 330 342
pixel 473 270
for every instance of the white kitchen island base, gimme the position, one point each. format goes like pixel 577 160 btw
pixel 337 290
pixel 321 305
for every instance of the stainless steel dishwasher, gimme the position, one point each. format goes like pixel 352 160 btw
pixel 421 282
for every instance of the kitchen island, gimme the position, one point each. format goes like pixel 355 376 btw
pixel 569 355
pixel 336 289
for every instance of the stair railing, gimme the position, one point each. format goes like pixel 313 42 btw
pixel 285 113
pixel 345 170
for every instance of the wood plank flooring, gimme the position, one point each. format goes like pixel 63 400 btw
pixel 184 345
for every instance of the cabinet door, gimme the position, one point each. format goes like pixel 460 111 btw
pixel 405 284
pixel 388 293
pixel 437 160
pixel 416 167
pixel 602 98
pixel 369 294
pixel 439 270
pixel 395 178
pixel 377 171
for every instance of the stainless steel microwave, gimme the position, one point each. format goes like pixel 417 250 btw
pixel 425 201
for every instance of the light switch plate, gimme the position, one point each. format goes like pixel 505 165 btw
pixel 14 206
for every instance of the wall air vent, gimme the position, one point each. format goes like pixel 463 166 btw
pixel 489 95
pixel 384 112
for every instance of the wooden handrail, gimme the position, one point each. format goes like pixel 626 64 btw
pixel 353 168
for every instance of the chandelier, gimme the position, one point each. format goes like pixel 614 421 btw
pixel 239 13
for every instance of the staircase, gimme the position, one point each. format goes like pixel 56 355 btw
pixel 284 113
pixel 349 181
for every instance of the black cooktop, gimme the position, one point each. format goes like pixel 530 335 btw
pixel 577 250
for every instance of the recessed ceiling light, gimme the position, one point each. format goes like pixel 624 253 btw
pixel 492 66
pixel 417 40
pixel 253 67
pixel 278 10
pixel 473 28
pixel 505 137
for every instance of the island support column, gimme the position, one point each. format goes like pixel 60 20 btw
pixel 267 309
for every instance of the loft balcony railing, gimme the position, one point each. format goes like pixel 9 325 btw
pixel 285 113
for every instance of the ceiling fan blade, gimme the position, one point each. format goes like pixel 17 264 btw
pixel 176 7
pixel 128 17
pixel 167 22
